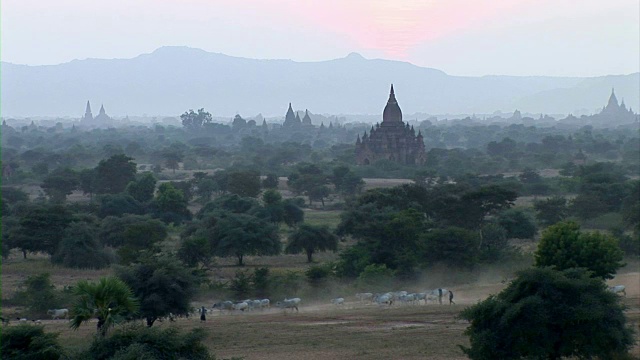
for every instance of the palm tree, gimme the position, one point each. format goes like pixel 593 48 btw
pixel 109 300
pixel 310 239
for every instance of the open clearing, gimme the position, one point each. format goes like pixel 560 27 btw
pixel 353 331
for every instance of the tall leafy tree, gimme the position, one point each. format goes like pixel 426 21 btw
pixel 60 183
pixel 162 285
pixel 311 239
pixel 552 210
pixel 42 229
pixel 143 188
pixel 547 314
pixel 564 246
pixel 114 174
pixel 110 300
pixel 80 248
pixel 244 183
pixel 240 235
pixel 195 120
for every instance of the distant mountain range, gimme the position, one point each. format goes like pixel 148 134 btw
pixel 173 79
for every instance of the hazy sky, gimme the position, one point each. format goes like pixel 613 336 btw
pixel 460 37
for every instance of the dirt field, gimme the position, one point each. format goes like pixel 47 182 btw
pixel 352 331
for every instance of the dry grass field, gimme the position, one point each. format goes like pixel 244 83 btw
pixel 352 331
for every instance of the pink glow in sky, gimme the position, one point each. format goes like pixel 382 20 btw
pixel 475 37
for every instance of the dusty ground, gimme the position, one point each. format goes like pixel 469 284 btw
pixel 352 331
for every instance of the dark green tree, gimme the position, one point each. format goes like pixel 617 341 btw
pixel 42 229
pixel 132 235
pixel 311 239
pixel 39 294
pixel 346 182
pixel 552 210
pixel 452 246
pixel 517 223
pixel 308 179
pixel 60 183
pixel 172 158
pixel 143 188
pixel 28 342
pixel 118 205
pixel 162 285
pixel 196 251
pixel 564 246
pixel 146 343
pixel 270 181
pixel 535 317
pixel 194 121
pixel 171 205
pixel 244 183
pixel 80 248
pixel 114 174
pixel 240 235
pixel 87 182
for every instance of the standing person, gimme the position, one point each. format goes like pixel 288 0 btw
pixel 203 312
pixel 451 298
pixel 440 296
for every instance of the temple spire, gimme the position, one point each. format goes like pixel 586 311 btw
pixel 102 109
pixel 88 109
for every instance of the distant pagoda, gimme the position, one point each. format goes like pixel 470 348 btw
pixel 392 139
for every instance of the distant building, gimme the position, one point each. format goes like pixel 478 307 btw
pixel 392 139
pixel 291 119
pixel 616 112
pixel 101 120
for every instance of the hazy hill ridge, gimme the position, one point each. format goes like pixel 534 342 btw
pixel 173 79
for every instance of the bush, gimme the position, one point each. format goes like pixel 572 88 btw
pixel 137 342
pixel 241 285
pixel 38 296
pixel 563 246
pixel 80 249
pixel 547 314
pixel 376 276
pixel 29 342
pixel 517 224
pixel 316 275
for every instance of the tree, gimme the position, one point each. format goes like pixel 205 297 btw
pixel 547 314
pixel 114 174
pixel 28 342
pixel 240 234
pixel 145 343
pixel 171 205
pixel 192 120
pixel 453 246
pixel 172 158
pixel 59 184
pixel 39 294
pixel 311 239
pixel 306 179
pixel 346 181
pixel 131 235
pixel 270 181
pixel 162 285
pixel 118 205
pixel 563 246
pixel 195 251
pixel 87 182
pixel 110 300
pixel 244 183
pixel 42 229
pixel 80 249
pixel 143 188
pixel 552 210
pixel 517 223
pixel 293 214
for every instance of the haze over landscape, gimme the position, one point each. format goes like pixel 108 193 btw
pixel 306 179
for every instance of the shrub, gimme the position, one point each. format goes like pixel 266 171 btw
pixel 535 317
pixel 137 342
pixel 29 342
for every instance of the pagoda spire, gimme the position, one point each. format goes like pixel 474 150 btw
pixel 88 109
pixel 102 109
pixel 613 101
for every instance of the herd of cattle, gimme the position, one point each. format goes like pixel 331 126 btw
pixel 388 298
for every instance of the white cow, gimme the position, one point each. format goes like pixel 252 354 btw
pixel 265 304
pixel 242 306
pixel 338 301
pixel 289 304
pixel 364 297
pixel 618 289
pixel 384 299
pixel 223 305
pixel 58 313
